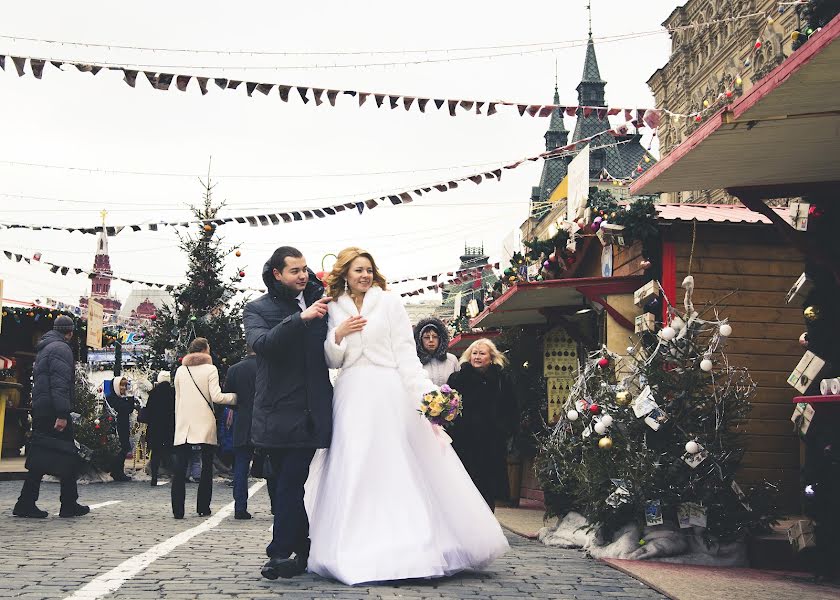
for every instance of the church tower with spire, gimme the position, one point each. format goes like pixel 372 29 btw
pixel 619 155
pixel 101 276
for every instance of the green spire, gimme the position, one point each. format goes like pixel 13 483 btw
pixel 591 74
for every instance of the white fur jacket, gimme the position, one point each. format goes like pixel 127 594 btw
pixel 195 422
pixel 387 340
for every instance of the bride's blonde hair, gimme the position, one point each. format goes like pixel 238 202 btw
pixel 337 279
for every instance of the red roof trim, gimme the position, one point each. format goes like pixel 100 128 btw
pixel 776 77
pixel 597 285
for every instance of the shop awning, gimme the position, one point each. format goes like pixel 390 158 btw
pixel 528 303
pixel 462 341
pixel 785 130
pixel 6 362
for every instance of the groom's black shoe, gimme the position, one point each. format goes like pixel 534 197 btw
pixel 284 567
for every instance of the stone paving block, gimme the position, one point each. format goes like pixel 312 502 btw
pixel 224 562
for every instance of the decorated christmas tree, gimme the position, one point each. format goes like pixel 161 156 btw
pixel 94 428
pixel 204 306
pixel 656 435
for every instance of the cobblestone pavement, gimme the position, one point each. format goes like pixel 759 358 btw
pixel 55 558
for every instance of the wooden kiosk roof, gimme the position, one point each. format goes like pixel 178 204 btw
pixel 525 303
pixel 784 132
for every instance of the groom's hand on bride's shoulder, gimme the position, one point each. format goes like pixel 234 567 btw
pixel 317 310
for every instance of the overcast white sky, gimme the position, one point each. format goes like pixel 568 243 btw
pixel 74 119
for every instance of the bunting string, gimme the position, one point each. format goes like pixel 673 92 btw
pixel 437 279
pixel 320 96
pixel 395 199
pixel 64 270
pixel 450 54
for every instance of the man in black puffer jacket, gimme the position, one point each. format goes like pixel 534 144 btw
pixel 53 377
pixel 286 328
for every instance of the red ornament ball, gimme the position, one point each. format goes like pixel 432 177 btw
pixel 153 317
pixel 595 409
pixel 728 93
pixel 242 273
pixel 322 276
pixel 603 362
pixel 180 358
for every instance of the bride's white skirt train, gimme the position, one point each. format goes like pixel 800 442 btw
pixel 389 500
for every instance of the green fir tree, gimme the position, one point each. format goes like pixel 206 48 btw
pixel 660 429
pixel 94 428
pixel 205 305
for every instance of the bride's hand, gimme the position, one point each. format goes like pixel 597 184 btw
pixel 351 325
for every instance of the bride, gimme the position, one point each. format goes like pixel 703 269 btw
pixel 389 500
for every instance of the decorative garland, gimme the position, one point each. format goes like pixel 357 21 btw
pixel 396 199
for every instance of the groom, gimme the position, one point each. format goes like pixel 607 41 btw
pixel 286 328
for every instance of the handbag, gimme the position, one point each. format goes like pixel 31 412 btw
pixel 53 456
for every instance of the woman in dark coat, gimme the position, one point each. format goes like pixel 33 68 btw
pixel 160 418
pixel 490 417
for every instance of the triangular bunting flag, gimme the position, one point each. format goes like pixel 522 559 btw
pixel 37 65
pixel 181 82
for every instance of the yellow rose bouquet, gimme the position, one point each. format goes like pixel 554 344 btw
pixel 441 407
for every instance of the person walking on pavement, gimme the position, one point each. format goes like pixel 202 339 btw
pixel 53 376
pixel 160 418
pixel 292 418
pixel 123 405
pixel 240 380
pixel 196 390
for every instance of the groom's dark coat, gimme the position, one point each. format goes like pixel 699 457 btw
pixel 293 394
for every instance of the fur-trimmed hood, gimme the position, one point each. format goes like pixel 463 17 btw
pixel 115 385
pixel 443 333
pixel 197 358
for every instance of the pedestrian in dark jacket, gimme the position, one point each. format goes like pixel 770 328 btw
pixel 490 417
pixel 286 328
pixel 240 380
pixel 160 419
pixel 53 377
pixel 123 405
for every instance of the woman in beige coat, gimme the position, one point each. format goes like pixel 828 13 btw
pixel 196 390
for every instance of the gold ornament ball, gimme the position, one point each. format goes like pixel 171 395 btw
pixel 238 253
pixel 605 443
pixel 812 313
pixel 622 398
pixel 208 227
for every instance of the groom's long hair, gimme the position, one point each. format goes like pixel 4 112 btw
pixel 337 279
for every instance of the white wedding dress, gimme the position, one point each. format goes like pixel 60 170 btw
pixel 390 499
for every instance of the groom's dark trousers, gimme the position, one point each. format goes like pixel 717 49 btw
pixel 289 468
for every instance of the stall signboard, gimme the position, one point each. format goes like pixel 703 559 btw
pixel 578 186
pixel 94 324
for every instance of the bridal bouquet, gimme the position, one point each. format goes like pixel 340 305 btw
pixel 441 407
